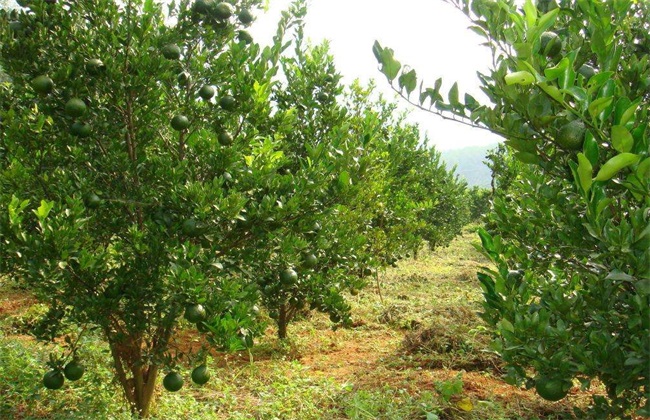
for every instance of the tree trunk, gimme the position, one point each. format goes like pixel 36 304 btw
pixel 138 381
pixel 283 321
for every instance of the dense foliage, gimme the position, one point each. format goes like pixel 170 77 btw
pixel 570 228
pixel 157 173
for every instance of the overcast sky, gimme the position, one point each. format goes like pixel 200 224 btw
pixel 429 35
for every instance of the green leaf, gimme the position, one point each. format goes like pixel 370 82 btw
pixel 453 95
pixel 389 66
pixel 44 209
pixel 530 11
pixel 622 139
pixel 520 78
pixel 643 287
pixel 529 158
pixel 599 105
pixel 552 73
pixel 629 113
pixel 590 148
pixel 409 81
pixel 615 164
pixel 585 171
pixel 552 91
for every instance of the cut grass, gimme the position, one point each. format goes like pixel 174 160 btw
pixel 420 352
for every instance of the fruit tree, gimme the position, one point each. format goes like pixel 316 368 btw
pixel 569 229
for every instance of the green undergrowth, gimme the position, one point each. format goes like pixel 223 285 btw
pixel 415 344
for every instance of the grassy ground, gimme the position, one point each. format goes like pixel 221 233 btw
pixel 417 351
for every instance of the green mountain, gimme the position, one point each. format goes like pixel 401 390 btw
pixel 469 164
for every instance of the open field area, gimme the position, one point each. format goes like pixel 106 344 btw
pixel 417 352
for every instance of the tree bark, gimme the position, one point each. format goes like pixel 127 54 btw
pixel 283 321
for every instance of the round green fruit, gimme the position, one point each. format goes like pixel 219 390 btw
pixel 310 261
pixel 228 103
pixel 42 84
pixel 550 44
pixel 95 66
pixel 190 227
pixel 245 37
pixel 53 379
pixel 184 79
pixel 552 389
pixel 92 201
pixel 171 52
pixel 73 371
pixel 335 318
pixel 75 107
pixel 173 382
pixel 180 122
pixel 80 129
pixel 322 96
pixel 587 71
pixel 245 17
pixel 571 135
pixel 16 26
pixel 200 375
pixel 195 313
pixel 203 6
pixel 222 11
pixel 288 276
pixel 227 177
pixel 225 138
pixel 206 92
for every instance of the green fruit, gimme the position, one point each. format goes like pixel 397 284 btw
pixel 95 66
pixel 206 92
pixel 190 227
pixel 180 122
pixel 322 96
pixel 184 79
pixel 42 84
pixel 222 11
pixel 92 201
pixel 195 313
pixel 245 17
pixel 53 379
pixel 288 276
pixel 225 138
pixel 551 389
pixel 354 292
pixel 587 71
pixel 228 103
pixel 310 261
pixel 227 177
pixel 173 382
pixel 550 44
pixel 203 6
pixel 335 318
pixel 75 107
pixel 571 135
pixel 73 371
pixel 80 129
pixel 171 52
pixel 200 375
pixel 367 271
pixel 245 37
pixel 16 26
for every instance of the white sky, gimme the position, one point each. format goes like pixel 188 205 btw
pixel 429 35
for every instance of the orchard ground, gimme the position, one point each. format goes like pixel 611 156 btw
pixel 417 350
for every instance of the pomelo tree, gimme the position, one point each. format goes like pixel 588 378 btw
pixel 569 230
pixel 139 180
pixel 385 194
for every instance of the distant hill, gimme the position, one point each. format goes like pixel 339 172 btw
pixel 469 164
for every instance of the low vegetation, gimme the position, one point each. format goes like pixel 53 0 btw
pixel 417 352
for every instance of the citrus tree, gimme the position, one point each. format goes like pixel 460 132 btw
pixel 135 157
pixel 569 232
